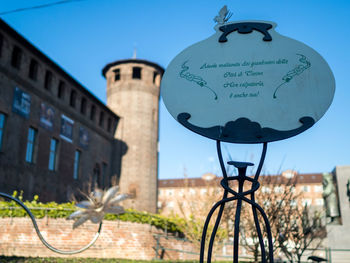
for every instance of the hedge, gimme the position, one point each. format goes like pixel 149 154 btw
pixel 4 259
pixel 63 210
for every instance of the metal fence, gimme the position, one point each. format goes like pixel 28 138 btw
pixel 331 255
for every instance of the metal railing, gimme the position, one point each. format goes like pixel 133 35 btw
pixel 331 255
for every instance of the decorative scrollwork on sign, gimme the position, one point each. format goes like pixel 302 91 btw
pixel 244 130
pixel 197 79
pixel 294 72
pixel 245 28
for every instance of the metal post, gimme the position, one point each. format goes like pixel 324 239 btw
pixel 240 197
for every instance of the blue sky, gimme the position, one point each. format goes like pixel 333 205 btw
pixel 83 36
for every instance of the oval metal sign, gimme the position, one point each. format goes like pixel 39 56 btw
pixel 248 84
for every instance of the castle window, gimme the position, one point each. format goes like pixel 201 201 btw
pixel 136 73
pixel 83 106
pixel 2 127
pixel 104 175
pixel 61 88
pixel 73 98
pixel 97 176
pixel 92 112
pixel 53 154
pixel 1 43
pixel 101 118
pixel 48 80
pixel 33 69
pixel 155 74
pixel 109 124
pixel 116 74
pixel 31 144
pixel 16 57
pixel 77 157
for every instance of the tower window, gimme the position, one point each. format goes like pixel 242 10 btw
pixel 83 106
pixel 61 88
pixel 33 69
pixel 73 98
pixel 155 74
pixel 48 80
pixel 136 73
pixel 116 74
pixel 16 57
pixel 92 112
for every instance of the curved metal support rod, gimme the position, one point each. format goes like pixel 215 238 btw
pixel 212 210
pixel 255 215
pixel 42 239
pixel 206 224
pixel 261 162
pixel 237 220
pixel 218 218
pixel 240 196
pixel 219 203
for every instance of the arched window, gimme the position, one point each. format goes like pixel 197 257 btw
pixel 109 124
pixel 101 121
pixel 92 112
pixel 1 43
pixel 83 106
pixel 16 57
pixel 61 89
pixel 33 69
pixel 73 98
pixel 97 176
pixel 48 80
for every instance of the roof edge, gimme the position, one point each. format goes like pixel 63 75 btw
pixel 46 59
pixel 126 61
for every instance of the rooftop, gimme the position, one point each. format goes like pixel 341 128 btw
pixel 315 178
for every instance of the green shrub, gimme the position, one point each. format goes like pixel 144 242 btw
pixel 63 210
pixel 4 259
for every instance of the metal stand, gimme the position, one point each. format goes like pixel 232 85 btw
pixel 239 196
pixel 42 239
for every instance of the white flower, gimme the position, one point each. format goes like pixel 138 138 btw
pixel 98 204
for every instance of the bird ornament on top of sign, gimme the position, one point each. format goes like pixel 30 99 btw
pixel 247 84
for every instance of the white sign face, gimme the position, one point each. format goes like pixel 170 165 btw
pixel 247 89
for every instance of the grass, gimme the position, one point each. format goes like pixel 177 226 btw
pixel 4 259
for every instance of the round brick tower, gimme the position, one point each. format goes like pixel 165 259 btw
pixel 133 94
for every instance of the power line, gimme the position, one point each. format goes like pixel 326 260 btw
pixel 38 6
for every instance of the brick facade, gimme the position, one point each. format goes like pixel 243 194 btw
pixel 50 86
pixel 135 98
pixel 117 240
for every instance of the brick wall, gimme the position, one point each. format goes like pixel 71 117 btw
pixel 117 239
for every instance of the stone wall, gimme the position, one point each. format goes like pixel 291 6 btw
pixel 117 240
